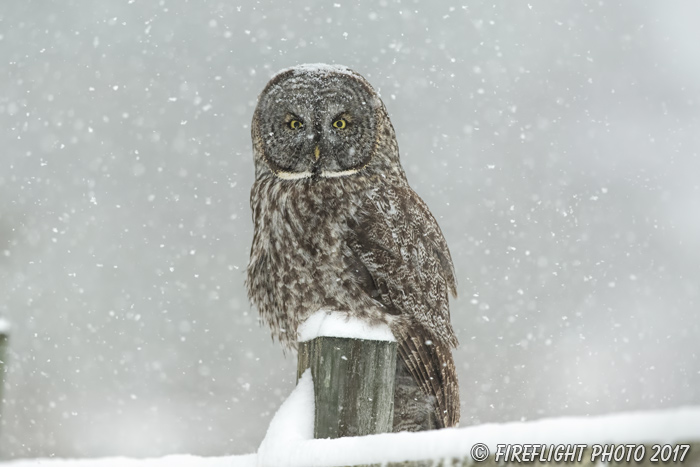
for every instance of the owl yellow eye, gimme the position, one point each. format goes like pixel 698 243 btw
pixel 339 124
pixel 295 124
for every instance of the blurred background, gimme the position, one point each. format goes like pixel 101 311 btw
pixel 557 143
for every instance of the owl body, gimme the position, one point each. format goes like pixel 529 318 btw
pixel 300 260
pixel 337 227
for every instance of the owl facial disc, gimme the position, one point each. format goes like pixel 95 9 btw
pixel 317 122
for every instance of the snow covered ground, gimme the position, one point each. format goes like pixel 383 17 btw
pixel 289 442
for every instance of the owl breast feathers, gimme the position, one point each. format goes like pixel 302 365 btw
pixel 337 227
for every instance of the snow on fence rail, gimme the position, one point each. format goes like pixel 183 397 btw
pixel 289 442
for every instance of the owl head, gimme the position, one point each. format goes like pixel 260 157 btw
pixel 321 121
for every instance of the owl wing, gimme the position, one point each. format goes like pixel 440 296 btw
pixel 408 269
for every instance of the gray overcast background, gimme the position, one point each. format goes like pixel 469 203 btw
pixel 557 143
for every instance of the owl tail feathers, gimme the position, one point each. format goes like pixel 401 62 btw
pixel 432 367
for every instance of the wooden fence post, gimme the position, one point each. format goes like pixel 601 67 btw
pixel 353 385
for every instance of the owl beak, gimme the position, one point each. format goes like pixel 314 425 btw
pixel 317 152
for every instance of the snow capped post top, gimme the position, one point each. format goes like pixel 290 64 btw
pixel 353 363
pixel 336 324
pixel 4 326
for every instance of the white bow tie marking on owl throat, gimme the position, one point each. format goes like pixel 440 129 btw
pixel 307 174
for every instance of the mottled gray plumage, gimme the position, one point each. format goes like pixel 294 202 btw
pixel 337 227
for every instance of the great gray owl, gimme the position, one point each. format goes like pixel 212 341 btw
pixel 337 227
